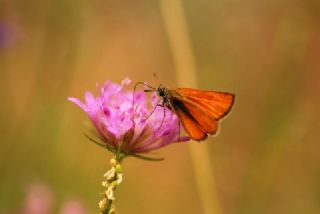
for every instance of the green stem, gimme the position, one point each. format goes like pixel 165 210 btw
pixel 109 207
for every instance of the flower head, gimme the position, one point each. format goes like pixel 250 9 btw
pixel 8 34
pixel 125 125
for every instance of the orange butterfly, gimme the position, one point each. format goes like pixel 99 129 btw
pixel 199 111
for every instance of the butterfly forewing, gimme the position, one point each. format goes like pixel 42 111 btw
pixel 215 104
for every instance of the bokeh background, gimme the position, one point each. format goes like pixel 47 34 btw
pixel 266 158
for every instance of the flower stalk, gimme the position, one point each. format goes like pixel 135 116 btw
pixel 113 179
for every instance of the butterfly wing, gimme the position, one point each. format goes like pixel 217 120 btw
pixel 214 104
pixel 190 125
pixel 199 111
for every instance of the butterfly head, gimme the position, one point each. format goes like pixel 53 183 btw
pixel 162 91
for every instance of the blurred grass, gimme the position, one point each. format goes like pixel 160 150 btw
pixel 266 158
pixel 182 53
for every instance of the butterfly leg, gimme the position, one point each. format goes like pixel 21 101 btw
pixel 151 89
pixel 153 110
pixel 164 113
pixel 179 125
pixel 179 130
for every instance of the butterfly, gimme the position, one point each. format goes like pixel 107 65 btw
pixel 199 111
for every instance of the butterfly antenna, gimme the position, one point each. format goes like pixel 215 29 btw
pixel 155 75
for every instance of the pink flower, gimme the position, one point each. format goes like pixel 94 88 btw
pixel 122 128
pixel 38 200
pixel 73 207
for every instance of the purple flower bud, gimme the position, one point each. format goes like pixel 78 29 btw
pixel 7 35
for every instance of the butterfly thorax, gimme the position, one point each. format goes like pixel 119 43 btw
pixel 162 91
pixel 167 96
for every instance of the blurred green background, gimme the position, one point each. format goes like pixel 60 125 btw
pixel 266 158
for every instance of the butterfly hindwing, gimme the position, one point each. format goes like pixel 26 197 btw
pixel 205 121
pixel 191 126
